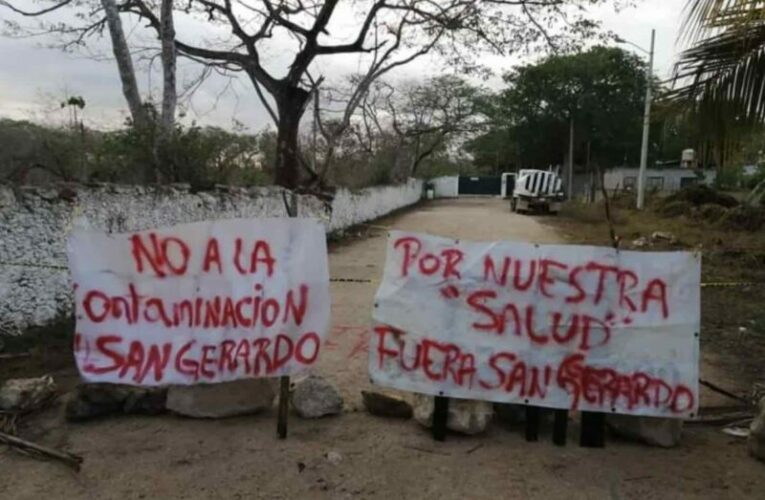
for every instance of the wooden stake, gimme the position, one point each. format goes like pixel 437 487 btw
pixel 532 423
pixel 69 459
pixel 593 430
pixel 560 427
pixel 284 397
pixel 440 417
pixel 291 206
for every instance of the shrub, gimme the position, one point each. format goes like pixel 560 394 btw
pixel 743 217
pixel 675 208
pixel 700 194
pixel 711 212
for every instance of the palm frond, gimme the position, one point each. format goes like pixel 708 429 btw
pixel 726 68
pixel 706 17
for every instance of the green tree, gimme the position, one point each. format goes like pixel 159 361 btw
pixel 601 90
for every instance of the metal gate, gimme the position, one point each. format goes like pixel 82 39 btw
pixel 485 185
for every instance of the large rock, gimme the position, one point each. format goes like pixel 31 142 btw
pixel 226 399
pixel 26 394
pixel 756 440
pixel 386 405
pixel 99 400
pixel 662 432
pixel 315 397
pixel 465 416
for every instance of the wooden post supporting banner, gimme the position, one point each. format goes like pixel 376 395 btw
pixel 291 206
pixel 560 427
pixel 532 423
pixel 284 397
pixel 440 417
pixel 593 430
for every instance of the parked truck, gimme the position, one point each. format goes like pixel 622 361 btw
pixel 537 190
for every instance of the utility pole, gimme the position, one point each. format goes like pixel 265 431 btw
pixel 646 127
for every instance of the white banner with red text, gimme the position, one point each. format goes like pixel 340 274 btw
pixel 558 326
pixel 203 302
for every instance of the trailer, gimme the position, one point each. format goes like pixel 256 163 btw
pixel 537 190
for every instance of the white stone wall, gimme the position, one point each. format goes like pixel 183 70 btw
pixel 351 208
pixel 35 222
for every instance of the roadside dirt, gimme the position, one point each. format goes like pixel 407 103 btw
pixel 171 457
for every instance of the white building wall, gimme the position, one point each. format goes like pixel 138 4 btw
pixel 446 187
pixel 672 178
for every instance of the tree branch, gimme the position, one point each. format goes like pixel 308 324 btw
pixel 63 3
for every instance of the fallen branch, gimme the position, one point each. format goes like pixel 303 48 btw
pixel 722 391
pixel 15 355
pixel 474 448
pixel 426 450
pixel 69 459
pixel 721 419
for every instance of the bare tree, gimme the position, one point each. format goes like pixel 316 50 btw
pixel 388 34
pixel 413 121
pixel 94 16
pixel 124 62
pixel 391 33
pixel 169 89
pixel 426 116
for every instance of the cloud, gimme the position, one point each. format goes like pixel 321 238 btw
pixel 33 77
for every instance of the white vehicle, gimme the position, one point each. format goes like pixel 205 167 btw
pixel 537 189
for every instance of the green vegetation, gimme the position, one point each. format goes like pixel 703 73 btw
pixel 201 156
pixel 601 91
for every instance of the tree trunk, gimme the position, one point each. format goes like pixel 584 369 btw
pixel 570 174
pixel 169 94
pixel 124 63
pixel 291 104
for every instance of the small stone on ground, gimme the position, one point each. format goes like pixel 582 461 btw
pixel 334 457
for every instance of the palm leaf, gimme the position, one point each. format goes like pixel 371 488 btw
pixel 723 72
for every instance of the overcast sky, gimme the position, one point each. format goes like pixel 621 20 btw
pixel 33 78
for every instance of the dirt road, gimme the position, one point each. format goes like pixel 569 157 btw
pixel 171 457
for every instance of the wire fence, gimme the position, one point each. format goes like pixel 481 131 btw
pixel 706 284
